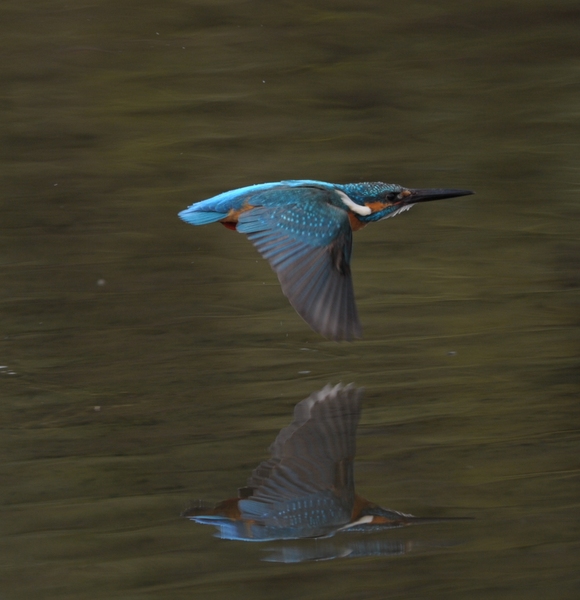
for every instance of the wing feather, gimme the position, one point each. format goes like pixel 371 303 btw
pixel 309 246
pixel 310 473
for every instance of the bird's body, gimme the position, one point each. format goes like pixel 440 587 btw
pixel 306 489
pixel 304 229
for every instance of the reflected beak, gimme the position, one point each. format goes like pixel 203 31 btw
pixel 432 194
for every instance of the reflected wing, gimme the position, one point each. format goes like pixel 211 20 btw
pixel 308 481
pixel 308 242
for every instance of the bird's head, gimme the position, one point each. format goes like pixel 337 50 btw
pixel 377 200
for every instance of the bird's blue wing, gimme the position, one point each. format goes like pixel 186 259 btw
pixel 308 481
pixel 217 208
pixel 308 243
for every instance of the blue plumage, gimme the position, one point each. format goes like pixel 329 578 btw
pixel 254 194
pixel 304 229
pixel 306 488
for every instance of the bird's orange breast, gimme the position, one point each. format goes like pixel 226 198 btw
pixel 358 506
pixel 355 222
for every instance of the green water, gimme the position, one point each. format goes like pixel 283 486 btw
pixel 149 362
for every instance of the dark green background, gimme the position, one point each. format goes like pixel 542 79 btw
pixel 115 116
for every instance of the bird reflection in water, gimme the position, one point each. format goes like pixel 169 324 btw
pixel 306 489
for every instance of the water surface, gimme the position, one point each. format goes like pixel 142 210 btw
pixel 148 362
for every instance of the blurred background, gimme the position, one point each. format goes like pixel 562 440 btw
pixel 145 362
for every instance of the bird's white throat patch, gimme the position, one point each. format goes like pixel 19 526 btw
pixel 399 210
pixel 356 208
pixel 362 521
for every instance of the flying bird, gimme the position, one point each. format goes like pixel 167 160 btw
pixel 306 488
pixel 303 228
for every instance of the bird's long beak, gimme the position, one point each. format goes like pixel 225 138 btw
pixel 432 194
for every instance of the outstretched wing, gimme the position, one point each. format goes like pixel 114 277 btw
pixel 308 481
pixel 308 243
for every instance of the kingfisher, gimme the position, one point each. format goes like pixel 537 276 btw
pixel 306 488
pixel 303 228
